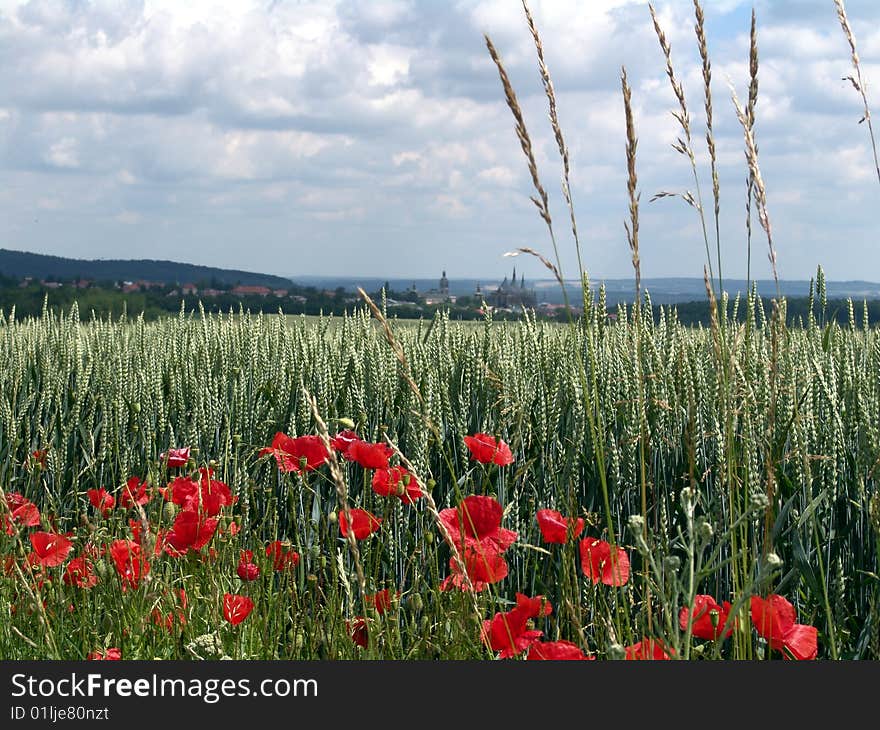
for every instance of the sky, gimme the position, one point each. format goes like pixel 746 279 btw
pixel 372 137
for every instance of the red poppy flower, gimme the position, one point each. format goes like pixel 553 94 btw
pixel 190 531
pixel 774 619
pixel 174 458
pixel 709 618
pixel 598 563
pixel 396 481
pixel 381 601
pixel 102 500
pixel 247 569
pixel 281 558
pixel 112 654
pixel 556 651
pixel 555 527
pixel 213 494
pixel 182 491
pixel 79 573
pixel 483 567
pixel 508 633
pixel 290 453
pixel 486 449
pixel 357 629
pixel 207 495
pixel 476 522
pixel 50 549
pixel 134 492
pixel 39 457
pixel 342 440
pixel 649 649
pixel 21 511
pixel 130 564
pixel 363 523
pixel 236 608
pixel 369 456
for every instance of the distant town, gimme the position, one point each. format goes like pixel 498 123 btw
pixel 27 294
pixel 30 283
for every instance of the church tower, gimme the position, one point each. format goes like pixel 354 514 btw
pixel 444 286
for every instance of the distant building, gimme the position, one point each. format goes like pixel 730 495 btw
pixel 513 295
pixel 441 294
pixel 245 291
pixel 280 292
pixel 189 289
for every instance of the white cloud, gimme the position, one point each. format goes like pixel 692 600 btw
pixel 362 125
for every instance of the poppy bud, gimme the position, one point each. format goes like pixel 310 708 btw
pixel 704 529
pixel 415 602
pixel 331 518
pixel 672 563
pixel 213 463
pixel 169 511
pixel 323 561
pixel 714 616
pixel 236 438
pixel 616 651
pixel 430 484
pixel 429 537
pixel 347 422
pixel 774 561
pixel 102 569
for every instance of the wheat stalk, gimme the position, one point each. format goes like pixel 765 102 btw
pixel 760 192
pixel 857 81
pixel 632 228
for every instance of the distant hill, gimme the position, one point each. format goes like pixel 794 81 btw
pixel 19 264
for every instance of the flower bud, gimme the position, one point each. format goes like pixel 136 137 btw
pixel 169 511
pixel 636 524
pixel 704 529
pixel 687 497
pixel 331 518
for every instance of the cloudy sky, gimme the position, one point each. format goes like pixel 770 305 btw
pixel 371 136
